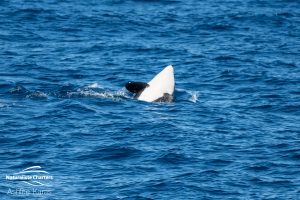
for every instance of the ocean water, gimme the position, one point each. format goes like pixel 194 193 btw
pixel 233 131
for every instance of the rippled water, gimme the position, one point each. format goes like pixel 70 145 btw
pixel 233 131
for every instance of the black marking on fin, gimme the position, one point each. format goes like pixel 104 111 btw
pixel 136 87
pixel 165 98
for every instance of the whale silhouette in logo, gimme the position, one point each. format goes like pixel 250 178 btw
pixel 159 89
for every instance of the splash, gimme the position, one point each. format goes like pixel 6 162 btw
pixel 194 96
pixel 187 95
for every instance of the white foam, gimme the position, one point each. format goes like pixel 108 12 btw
pixel 114 95
pixel 37 94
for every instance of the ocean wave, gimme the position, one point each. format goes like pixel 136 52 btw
pixel 3 105
pixel 112 152
pixel 173 158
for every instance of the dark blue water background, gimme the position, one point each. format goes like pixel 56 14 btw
pixel 233 131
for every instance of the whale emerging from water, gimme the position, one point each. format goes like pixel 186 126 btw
pixel 159 89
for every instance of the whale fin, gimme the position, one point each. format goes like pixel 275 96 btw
pixel 136 87
pixel 161 87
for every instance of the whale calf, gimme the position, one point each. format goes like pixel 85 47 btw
pixel 159 89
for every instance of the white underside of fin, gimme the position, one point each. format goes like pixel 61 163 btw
pixel 162 83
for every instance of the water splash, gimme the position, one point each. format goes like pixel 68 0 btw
pixel 187 95
pixel 194 96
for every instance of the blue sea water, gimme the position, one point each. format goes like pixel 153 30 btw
pixel 233 131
